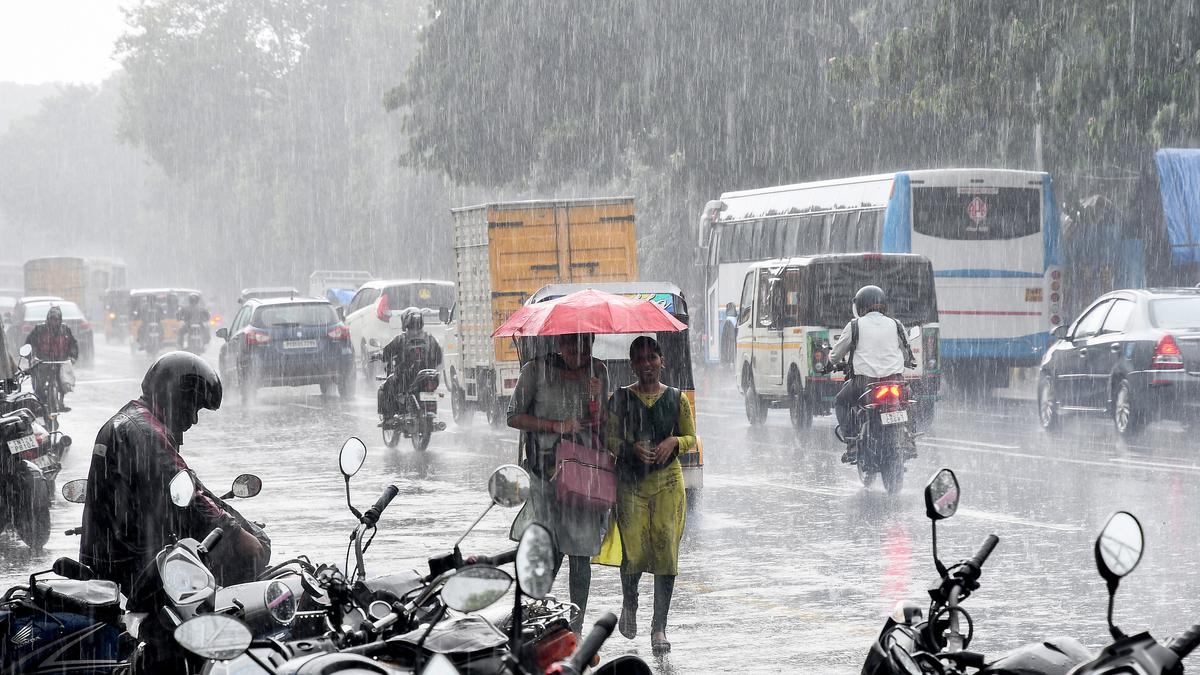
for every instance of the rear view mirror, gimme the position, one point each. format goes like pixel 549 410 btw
pixel 246 486
pixel 374 343
pixel 352 456
pixel 941 495
pixel 1059 332
pixel 1119 546
pixel 25 351
pixel 535 562
pixel 444 314
pixel 341 312
pixel 223 333
pixel 75 491
pixel 474 588
pixel 509 486
pixel 214 636
pixel 182 489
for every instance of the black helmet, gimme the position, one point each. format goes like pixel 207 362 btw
pixel 193 298
pixel 868 299
pixel 55 312
pixel 411 319
pixel 177 386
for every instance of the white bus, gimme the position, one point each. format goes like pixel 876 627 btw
pixel 991 234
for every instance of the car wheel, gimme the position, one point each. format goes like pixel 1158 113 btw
pixel 1128 418
pixel 1048 416
pixel 798 408
pixel 756 410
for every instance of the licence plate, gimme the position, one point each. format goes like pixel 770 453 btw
pixel 22 444
pixel 894 417
pixel 44 462
pixel 299 344
pixel 427 396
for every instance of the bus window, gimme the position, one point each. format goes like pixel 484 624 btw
pixel 766 247
pixel 741 242
pixel 728 252
pixel 976 213
pixel 838 231
pixel 747 299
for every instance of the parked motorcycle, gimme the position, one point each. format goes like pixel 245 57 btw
pixel 417 416
pixel 28 470
pixel 194 337
pixel 15 396
pixel 884 437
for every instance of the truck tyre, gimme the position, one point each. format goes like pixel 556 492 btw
pixel 798 408
pixel 459 409
pixel 497 412
pixel 756 410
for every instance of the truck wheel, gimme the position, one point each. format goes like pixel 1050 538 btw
pixel 459 411
pixel 798 407
pixel 756 410
pixel 497 412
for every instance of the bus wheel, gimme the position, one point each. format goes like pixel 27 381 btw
pixel 798 407
pixel 756 410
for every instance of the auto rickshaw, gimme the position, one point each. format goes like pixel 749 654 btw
pixel 116 314
pixel 614 351
pixel 169 300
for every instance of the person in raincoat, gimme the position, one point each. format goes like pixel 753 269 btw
pixel 649 425
pixel 558 396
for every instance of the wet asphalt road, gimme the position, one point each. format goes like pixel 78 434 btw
pixel 789 564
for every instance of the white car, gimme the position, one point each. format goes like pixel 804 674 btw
pixel 374 313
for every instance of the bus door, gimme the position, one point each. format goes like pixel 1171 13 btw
pixel 768 332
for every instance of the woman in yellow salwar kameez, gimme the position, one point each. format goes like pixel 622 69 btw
pixel 649 425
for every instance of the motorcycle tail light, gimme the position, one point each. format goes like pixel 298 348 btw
pixel 1167 355
pixel 429 385
pixel 551 649
pixel 887 392
pixel 255 336
pixel 339 332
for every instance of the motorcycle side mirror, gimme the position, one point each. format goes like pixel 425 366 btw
pixel 350 460
pixel 439 665
pixel 535 562
pixel 373 342
pixel 246 486
pixel 941 501
pixel 1118 551
pixel 509 486
pixel 903 661
pixel 183 489
pixel 214 636
pixel 444 314
pixel 474 588
pixel 75 491
pixel 25 351
pixel 223 333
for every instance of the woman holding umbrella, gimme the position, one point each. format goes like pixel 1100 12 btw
pixel 558 396
pixel 649 425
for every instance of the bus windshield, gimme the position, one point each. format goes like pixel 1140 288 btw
pixel 976 213
pixel 822 293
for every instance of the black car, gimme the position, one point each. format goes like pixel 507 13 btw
pixel 1132 354
pixel 287 342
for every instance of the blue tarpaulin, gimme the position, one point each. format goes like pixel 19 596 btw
pixel 1179 183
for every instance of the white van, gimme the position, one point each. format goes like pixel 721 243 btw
pixel 792 309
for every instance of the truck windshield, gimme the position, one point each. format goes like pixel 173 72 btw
pixel 823 294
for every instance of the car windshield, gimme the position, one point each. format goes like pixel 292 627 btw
pixel 1175 313
pixel 310 314
pixel 425 296
pixel 36 311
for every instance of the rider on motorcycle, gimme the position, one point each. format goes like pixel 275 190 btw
pixel 128 516
pixel 876 347
pixel 52 341
pixel 193 314
pixel 150 313
pixel 407 354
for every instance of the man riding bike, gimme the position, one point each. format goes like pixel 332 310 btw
pixel 52 341
pixel 151 313
pixel 128 516
pixel 876 348
pixel 191 314
pixel 407 354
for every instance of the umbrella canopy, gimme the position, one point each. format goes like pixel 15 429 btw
pixel 589 311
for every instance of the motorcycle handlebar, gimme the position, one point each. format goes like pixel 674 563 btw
pixel 981 556
pixel 372 515
pixel 211 540
pixel 1185 642
pixel 591 644
pixel 498 559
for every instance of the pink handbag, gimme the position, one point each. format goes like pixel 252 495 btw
pixel 586 477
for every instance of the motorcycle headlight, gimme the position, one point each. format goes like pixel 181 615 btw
pixel 183 580
pixel 281 602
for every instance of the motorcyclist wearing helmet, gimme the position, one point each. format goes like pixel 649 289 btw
pixel 193 313
pixel 52 341
pixel 152 311
pixel 128 516
pixel 877 347
pixel 409 352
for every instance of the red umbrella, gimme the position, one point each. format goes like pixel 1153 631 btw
pixel 589 311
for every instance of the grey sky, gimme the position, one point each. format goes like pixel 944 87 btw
pixel 59 40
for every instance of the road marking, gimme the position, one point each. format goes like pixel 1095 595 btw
pixel 1016 520
pixel 1167 465
pixel 307 406
pixel 959 440
pixel 1146 466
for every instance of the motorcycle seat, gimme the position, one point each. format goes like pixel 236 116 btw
pixel 97 598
